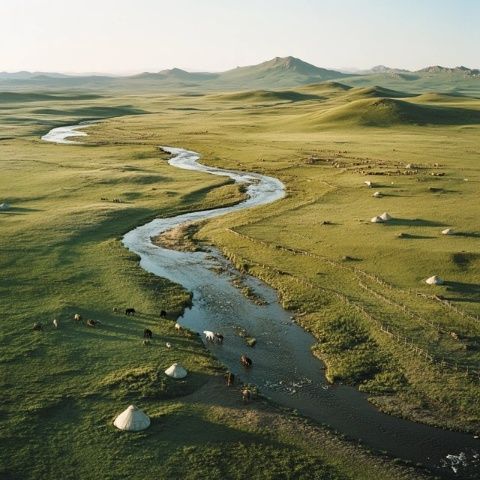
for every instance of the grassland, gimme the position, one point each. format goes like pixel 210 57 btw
pixel 347 279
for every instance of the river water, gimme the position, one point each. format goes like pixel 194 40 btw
pixel 283 367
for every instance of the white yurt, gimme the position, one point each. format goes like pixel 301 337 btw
pixel 176 371
pixel 377 195
pixel 385 217
pixel 435 280
pixel 376 220
pixel 132 420
pixel 447 231
pixel 368 183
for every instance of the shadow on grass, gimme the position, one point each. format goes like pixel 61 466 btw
pixel 463 287
pixel 412 236
pixel 467 234
pixel 414 222
pixel 19 211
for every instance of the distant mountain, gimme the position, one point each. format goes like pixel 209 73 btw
pixel 438 69
pixel 24 75
pixel 384 69
pixel 176 74
pixel 275 73
pixel 278 72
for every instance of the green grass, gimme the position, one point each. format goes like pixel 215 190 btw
pixel 325 169
pixel 61 255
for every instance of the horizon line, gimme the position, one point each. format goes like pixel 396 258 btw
pixel 126 73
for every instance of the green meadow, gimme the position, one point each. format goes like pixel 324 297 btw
pixel 357 286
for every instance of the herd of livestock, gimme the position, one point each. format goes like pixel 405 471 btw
pixel 211 337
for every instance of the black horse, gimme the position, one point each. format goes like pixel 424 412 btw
pixel 148 334
pixel 129 311
pixel 163 314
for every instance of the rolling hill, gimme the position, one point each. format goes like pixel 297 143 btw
pixel 255 96
pixel 386 112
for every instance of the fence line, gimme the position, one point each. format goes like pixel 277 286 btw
pixel 398 337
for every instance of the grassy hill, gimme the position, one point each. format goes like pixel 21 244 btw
pixel 375 91
pixel 254 96
pixel 439 79
pixel 22 97
pixel 385 112
pixel 434 97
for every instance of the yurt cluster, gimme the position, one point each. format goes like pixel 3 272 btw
pixel 385 217
pixel 134 420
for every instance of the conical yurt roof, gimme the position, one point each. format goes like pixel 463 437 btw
pixel 176 371
pixel 385 216
pixel 435 280
pixel 132 419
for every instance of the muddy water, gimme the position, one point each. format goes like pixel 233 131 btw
pixel 283 366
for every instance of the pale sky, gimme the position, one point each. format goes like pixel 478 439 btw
pixel 127 36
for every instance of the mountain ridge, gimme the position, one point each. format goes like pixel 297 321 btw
pixel 276 73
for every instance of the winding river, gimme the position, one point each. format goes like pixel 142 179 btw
pixel 284 368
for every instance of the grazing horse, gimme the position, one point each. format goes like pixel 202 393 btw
pixel 77 317
pixel 147 333
pixel 246 395
pixel 55 323
pixel 163 314
pixel 129 311
pixel 209 336
pixel 218 338
pixel 37 326
pixel 91 323
pixel 178 327
pixel 115 310
pixel 245 361
pixel 229 378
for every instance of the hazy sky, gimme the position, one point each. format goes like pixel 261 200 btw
pixel 124 36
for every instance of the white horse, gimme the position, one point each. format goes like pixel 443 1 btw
pixel 210 336
pixel 55 323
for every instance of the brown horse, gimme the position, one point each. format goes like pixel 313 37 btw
pixel 245 361
pixel 246 395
